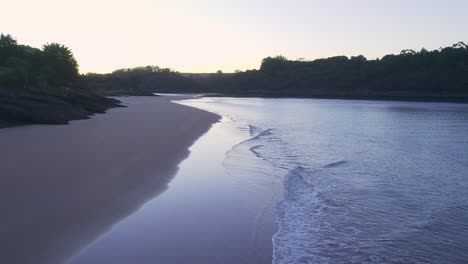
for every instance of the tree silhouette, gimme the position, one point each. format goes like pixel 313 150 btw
pixel 61 68
pixel 409 74
pixel 23 67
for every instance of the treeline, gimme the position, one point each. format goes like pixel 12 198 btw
pixel 43 86
pixel 441 73
pixel 51 68
pixel 139 80
pixel 438 73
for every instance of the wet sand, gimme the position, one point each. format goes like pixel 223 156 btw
pixel 61 187
pixel 219 208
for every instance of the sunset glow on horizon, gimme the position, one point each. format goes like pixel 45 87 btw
pixel 206 36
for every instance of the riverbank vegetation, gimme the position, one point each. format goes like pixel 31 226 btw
pixel 440 74
pixel 43 85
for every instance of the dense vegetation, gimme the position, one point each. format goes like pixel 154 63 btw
pixel 23 67
pixel 138 81
pixel 43 85
pixel 439 74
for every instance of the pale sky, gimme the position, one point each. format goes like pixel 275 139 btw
pixel 211 35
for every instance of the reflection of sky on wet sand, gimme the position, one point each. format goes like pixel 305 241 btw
pixel 205 215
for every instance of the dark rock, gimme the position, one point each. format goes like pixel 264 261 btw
pixel 34 107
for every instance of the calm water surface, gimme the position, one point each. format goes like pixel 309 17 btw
pixel 315 181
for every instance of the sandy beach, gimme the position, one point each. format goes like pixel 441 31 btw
pixel 61 186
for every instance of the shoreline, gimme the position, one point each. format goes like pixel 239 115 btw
pixel 52 109
pixel 83 178
pixel 212 212
pixel 421 99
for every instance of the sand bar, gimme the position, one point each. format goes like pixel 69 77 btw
pixel 63 186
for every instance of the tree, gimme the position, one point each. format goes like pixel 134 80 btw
pixel 407 52
pixel 274 64
pixel 61 68
pixel 460 45
pixel 8 47
pixel 359 58
pixel 23 67
pixel 7 40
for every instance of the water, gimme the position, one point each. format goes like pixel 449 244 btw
pixel 309 181
pixel 207 215
pixel 364 181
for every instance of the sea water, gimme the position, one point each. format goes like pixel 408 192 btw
pixel 309 181
pixel 364 181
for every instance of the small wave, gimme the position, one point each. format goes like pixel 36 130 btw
pixel 254 130
pixel 295 182
pixel 308 232
pixel 335 164
pixel 255 133
pixel 263 133
pixel 293 214
pixel 254 150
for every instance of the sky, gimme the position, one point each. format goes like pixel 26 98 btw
pixel 210 35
